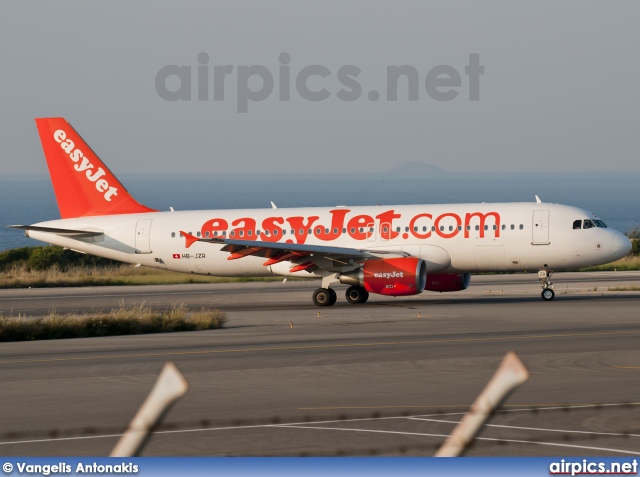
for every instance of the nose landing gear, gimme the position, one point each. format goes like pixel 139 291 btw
pixel 547 286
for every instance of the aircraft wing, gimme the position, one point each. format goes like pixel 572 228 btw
pixel 308 257
pixel 64 232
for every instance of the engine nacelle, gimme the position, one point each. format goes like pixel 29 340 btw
pixel 392 276
pixel 448 282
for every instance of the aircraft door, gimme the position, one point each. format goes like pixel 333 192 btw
pixel 385 231
pixel 540 227
pixel 143 238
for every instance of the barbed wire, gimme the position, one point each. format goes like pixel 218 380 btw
pixel 299 421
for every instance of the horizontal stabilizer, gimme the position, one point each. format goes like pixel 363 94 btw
pixel 63 232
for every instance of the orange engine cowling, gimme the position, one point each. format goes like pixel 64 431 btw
pixel 448 282
pixel 391 276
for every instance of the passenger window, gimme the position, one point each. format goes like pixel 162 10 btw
pixel 495 227
pixel 385 229
pixel 588 224
pixel 275 232
pixel 406 229
pixel 371 230
pixel 310 231
pixel 424 229
pixel 450 228
pixel 206 233
pixel 442 228
pixel 361 229
pixel 468 227
pixel 459 228
pixel 415 229
pixel 521 227
pixel 577 224
pixel 173 234
pixel 197 234
pixel 513 226
pixel 344 231
pixel 477 227
pixel 215 234
pixel 397 229
pixel 335 231
pixel 326 231
pixel 433 228
pixel 284 232
pixel 250 233
pixel 353 230
pixel 318 230
pixel 232 233
pixel 301 232
pixel 241 233
pixel 504 227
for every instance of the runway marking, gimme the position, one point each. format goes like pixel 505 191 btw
pixel 333 346
pixel 516 441
pixel 617 434
pixel 309 425
pixel 123 296
pixel 529 408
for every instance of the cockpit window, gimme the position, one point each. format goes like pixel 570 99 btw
pixel 600 223
pixel 588 224
pixel 577 224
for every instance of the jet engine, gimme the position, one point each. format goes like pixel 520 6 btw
pixel 448 282
pixel 392 276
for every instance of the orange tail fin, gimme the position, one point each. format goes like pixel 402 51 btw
pixel 82 183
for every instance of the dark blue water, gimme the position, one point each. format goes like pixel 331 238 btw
pixel 615 197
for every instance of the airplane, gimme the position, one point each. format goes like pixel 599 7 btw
pixel 398 250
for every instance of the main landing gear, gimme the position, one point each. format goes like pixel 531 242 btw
pixel 324 297
pixel 547 287
pixel 327 296
pixel 356 294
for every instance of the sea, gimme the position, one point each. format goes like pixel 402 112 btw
pixel 613 196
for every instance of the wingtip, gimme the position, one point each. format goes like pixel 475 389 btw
pixel 189 239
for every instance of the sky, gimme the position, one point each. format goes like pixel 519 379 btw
pixel 554 87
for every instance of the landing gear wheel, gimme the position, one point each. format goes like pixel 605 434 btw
pixel 547 294
pixel 334 296
pixel 356 294
pixel 324 297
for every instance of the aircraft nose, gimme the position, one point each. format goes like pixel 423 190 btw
pixel 620 245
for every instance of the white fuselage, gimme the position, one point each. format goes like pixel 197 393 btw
pixel 449 237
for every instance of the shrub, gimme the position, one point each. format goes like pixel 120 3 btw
pixel 50 257
pixel 44 258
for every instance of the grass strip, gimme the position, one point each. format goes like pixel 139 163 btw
pixel 20 276
pixel 133 320
pixel 625 264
